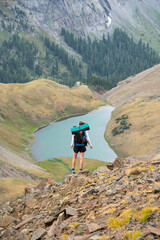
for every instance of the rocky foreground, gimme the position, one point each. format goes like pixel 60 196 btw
pixel 121 201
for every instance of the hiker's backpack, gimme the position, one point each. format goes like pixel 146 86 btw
pixel 80 139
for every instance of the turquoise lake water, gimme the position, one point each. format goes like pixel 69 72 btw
pixel 54 140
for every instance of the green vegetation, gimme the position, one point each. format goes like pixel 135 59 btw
pixel 112 59
pixel 25 57
pixel 143 215
pixel 117 222
pixel 13 18
pixel 53 50
pixel 123 125
pixel 59 167
pixel 11 188
pixel 23 60
pixel 17 56
pixel 147 32
pixel 137 171
pixel 132 235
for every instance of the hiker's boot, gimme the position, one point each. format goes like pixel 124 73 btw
pixel 80 170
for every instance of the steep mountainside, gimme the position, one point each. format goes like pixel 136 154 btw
pixel 82 17
pixel 134 126
pixel 139 18
pixel 46 39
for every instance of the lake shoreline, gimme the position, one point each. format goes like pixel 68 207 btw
pixel 47 146
pixel 66 117
pixel 60 119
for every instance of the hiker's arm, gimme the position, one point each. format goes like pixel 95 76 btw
pixel 72 141
pixel 88 140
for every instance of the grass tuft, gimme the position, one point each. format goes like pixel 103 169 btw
pixel 132 235
pixel 142 216
pixel 121 220
pixel 137 171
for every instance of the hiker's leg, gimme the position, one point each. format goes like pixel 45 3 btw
pixel 81 159
pixel 74 160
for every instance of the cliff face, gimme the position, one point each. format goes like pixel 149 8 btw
pixel 92 16
pixel 140 18
pixel 82 17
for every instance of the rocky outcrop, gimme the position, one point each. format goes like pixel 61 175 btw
pixel 122 203
pixel 82 17
pixel 92 17
pixel 96 17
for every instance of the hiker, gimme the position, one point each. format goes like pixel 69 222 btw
pixel 81 148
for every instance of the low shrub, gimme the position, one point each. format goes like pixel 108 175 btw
pixel 123 125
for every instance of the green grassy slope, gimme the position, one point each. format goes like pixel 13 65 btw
pixel 26 107
pixel 138 98
pixel 60 166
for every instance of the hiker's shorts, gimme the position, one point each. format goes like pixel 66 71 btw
pixel 77 149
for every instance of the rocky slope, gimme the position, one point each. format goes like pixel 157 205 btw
pixel 83 17
pixel 137 98
pixel 140 18
pixel 120 203
pixel 95 17
pixel 92 17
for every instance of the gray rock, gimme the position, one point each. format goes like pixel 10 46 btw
pixel 68 15
pixel 39 233
pixel 61 217
pixel 150 180
pixel 110 193
pixel 71 211
pixel 52 230
pixel 94 237
pixel 118 177
pixel 91 191
pixel 102 169
pixel 140 238
pixel 93 227
pixel 156 189
pixel 50 220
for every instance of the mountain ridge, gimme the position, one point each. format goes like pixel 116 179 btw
pixel 32 45
pixel 140 19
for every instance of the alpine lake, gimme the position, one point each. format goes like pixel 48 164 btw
pixel 54 140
